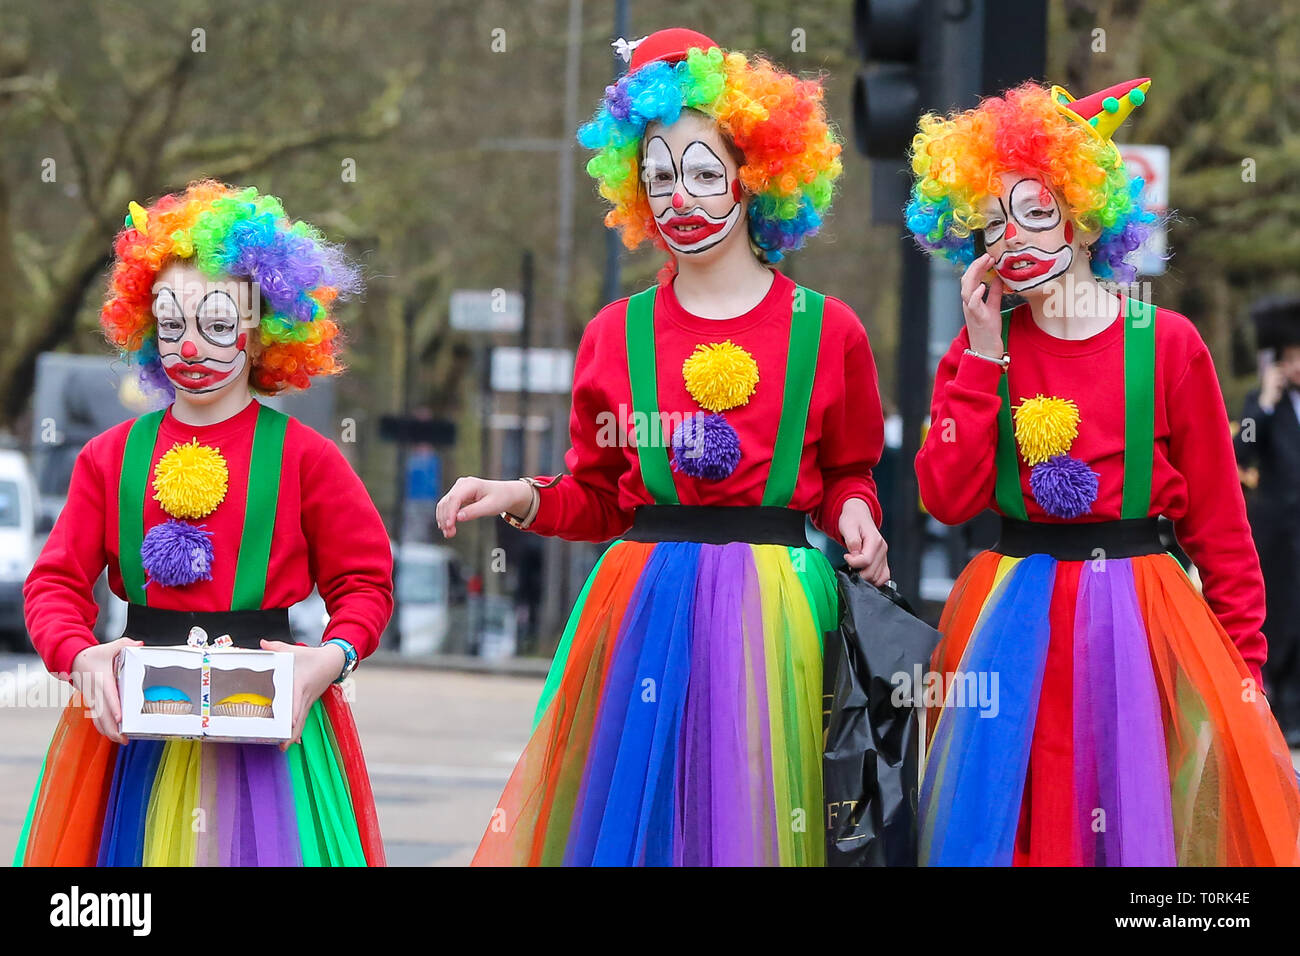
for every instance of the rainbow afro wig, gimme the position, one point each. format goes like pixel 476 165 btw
pixel 775 119
pixel 241 234
pixel 957 161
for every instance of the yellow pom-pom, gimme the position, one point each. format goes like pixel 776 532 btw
pixel 190 480
pixel 720 376
pixel 1046 426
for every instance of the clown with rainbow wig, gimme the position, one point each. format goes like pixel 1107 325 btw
pixel 1129 726
pixel 712 412
pixel 214 512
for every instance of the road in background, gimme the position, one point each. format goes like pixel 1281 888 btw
pixel 440 746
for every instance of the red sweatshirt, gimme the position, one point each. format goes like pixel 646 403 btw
pixel 1194 480
pixel 842 442
pixel 327 532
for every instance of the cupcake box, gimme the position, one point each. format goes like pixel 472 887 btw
pixel 206 692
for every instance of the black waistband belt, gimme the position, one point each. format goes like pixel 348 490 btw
pixel 709 524
pixel 1086 541
pixel 156 626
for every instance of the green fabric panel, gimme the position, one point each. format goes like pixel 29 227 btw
pixel 561 658
pixel 21 851
pixel 131 491
pixel 817 578
pixel 259 514
pixel 653 456
pixel 800 370
pixel 309 839
pixel 327 824
pixel 1011 497
pixel 1139 407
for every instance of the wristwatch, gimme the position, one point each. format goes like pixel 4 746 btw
pixel 349 655
pixel 527 519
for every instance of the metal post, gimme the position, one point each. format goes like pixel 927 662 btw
pixel 913 400
pixel 487 530
pixel 522 548
pixel 399 506
pixel 555 590
pixel 611 286
pixel 525 339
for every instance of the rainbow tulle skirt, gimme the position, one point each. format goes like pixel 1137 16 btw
pixel 1096 713
pixel 681 723
pixel 190 803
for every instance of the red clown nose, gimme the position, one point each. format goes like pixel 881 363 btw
pixel 188 350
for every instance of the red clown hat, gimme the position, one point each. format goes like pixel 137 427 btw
pixel 667 45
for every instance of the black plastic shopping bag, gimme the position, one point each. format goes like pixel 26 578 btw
pixel 872 738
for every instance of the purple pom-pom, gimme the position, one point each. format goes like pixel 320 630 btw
pixel 705 446
pixel 175 553
pixel 1064 486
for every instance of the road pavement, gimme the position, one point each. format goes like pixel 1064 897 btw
pixel 440 746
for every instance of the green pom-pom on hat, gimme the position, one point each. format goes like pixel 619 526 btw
pixel 1110 104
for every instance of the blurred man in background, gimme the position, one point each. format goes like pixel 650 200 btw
pixel 1269 442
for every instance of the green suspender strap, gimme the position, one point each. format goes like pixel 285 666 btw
pixel 1139 419
pixel 800 370
pixel 1011 497
pixel 653 454
pixel 259 510
pixel 801 366
pixel 136 459
pixel 1139 407
pixel 259 514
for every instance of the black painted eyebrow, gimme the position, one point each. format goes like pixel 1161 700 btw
pixel 707 148
pixel 672 162
pixel 1038 196
pixel 204 300
pixel 175 301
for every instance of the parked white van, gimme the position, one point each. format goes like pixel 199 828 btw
pixel 17 542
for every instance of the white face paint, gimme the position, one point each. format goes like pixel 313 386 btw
pixel 692 184
pixel 200 339
pixel 1028 234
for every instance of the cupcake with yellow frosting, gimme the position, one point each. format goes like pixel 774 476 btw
pixel 242 705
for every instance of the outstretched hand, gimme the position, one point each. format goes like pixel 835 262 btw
pixel 471 498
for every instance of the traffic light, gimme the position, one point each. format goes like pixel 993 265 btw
pixel 889 92
pixel 921 55
pixel 937 54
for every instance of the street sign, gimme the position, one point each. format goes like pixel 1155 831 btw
pixel 549 370
pixel 1152 164
pixel 492 310
pixel 423 476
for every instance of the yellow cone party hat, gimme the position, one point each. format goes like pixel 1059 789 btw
pixel 1103 112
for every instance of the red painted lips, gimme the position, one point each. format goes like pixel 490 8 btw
pixel 1033 266
pixel 181 374
pixel 686 230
